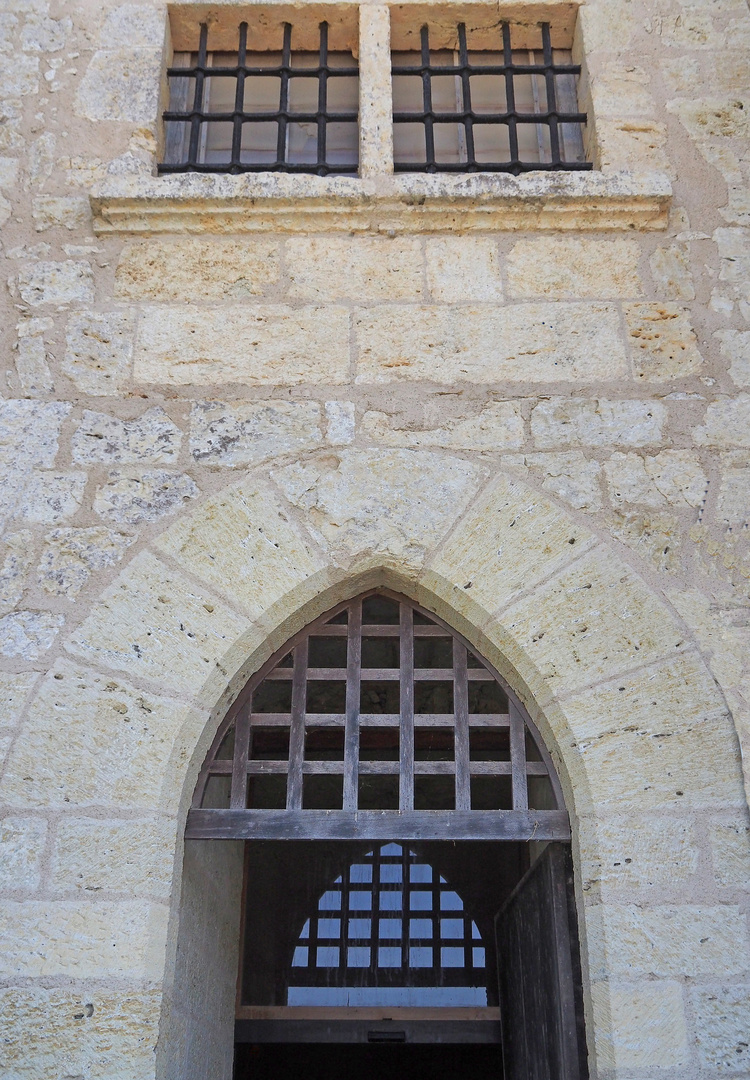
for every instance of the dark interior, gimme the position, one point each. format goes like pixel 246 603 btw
pixel 325 1061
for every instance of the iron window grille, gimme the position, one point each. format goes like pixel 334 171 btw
pixel 292 111
pixel 378 721
pixel 508 111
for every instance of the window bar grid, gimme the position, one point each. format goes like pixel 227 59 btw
pixel 406 740
pixel 351 729
pixel 429 134
pixel 286 63
pixel 200 75
pixel 239 97
pixel 297 728
pixel 463 56
pixel 461 726
pixel 242 750
pixel 554 137
pixel 322 94
pixel 510 95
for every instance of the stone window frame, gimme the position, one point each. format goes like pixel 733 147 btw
pixel 611 196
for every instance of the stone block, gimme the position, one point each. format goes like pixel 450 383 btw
pixel 590 621
pixel 42 34
pixel 637 852
pixel 722 1026
pixel 392 504
pixel 83 940
pixel 735 347
pixel 121 84
pixel 29 634
pixel 51 497
pixel 232 433
pixel 341 419
pixel 243 543
pixel 32 367
pixel 670 269
pixel 154 623
pixel 151 437
pixel 67 211
pixel 560 422
pixel 654 535
pixel 672 478
pixel 686 939
pixel 96 1034
pixel 642 1025
pixel 734 253
pixel 14 690
pixel 497 426
pixel 734 492
pixel 662 340
pixel 670 725
pixel 96 740
pixel 20 78
pixel 269 345
pixel 730 846
pixel 362 269
pixel 99 351
pixel 638 143
pixel 526 342
pixel 463 270
pixel 9 172
pixel 710 118
pixel 727 423
pixel 66 282
pixel 22 842
pixel 138 496
pixel 511 539
pixel 563 268
pixel 134 857
pixel 570 476
pixel 70 556
pixel 16 553
pixel 29 433
pixel 141 25
pixel 621 91
pixel 198 270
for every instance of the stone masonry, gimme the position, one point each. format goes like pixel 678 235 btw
pixel 228 403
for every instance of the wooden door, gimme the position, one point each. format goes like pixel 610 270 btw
pixel 539 974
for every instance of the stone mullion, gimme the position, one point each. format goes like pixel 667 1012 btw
pixel 375 93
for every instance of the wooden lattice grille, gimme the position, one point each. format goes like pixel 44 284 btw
pixel 378 721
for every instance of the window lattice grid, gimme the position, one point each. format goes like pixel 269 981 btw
pixel 378 707
pixel 389 930
pixel 292 111
pixel 512 111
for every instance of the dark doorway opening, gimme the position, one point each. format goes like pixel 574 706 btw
pixel 258 1061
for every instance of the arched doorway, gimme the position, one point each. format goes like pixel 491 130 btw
pixel 407 875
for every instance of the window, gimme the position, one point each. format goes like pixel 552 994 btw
pixel 290 110
pixel 465 110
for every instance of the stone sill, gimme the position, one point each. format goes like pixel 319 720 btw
pixel 410 203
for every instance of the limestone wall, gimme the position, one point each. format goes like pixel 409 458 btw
pixel 215 426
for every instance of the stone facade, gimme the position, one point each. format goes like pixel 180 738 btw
pixel 229 403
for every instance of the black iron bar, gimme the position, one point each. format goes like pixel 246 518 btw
pixel 549 75
pixel 195 120
pixel 468 119
pixel 429 134
pixel 322 95
pixel 239 99
pixel 286 60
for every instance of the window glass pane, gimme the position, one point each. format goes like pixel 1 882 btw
pixel 491 144
pixel 407 94
pixel 359 956
pixel 303 95
pixel 409 144
pixel 343 94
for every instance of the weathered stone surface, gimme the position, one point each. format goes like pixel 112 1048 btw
pixel 497 426
pixel 153 623
pixel 640 143
pixel 81 939
pixel 642 1026
pixel 138 24
pixel 670 269
pixel 529 342
pixel 568 269
pixel 90 1034
pixel 99 351
pixel 360 268
pixel 51 497
pixel 16 553
pixel 200 270
pixel 735 347
pixel 29 432
pixel 42 34
pixel 67 211
pixel 681 940
pixel 723 1022
pixel 95 740
pixel 390 503
pixel 266 345
pixel 71 555
pixel 21 849
pixel 510 539
pixel 621 91
pixel 730 845
pixel 121 84
pixel 241 433
pixel 635 851
pixel 137 496
pixel 463 270
pixel 14 689
pixel 31 359
pixel 711 117
pixel 667 722
pixel 654 535
pixel 20 78
pixel 663 342
pixel 674 478
pixel 341 420
pixel 28 634
pixel 151 437
pixel 727 423
pixel 243 543
pixel 56 283
pixel 133 857
pixel 570 476
pixel 590 621
pixel 565 422
pixel 734 492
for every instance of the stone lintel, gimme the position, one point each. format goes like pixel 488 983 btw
pixel 414 203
